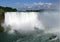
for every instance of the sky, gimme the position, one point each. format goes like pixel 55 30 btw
pixel 29 4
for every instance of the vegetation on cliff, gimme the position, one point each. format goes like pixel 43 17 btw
pixel 7 9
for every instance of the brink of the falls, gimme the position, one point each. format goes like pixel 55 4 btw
pixel 22 22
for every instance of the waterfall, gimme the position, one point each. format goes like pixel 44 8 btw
pixel 22 21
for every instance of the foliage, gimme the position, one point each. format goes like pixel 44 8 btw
pixel 7 9
pixel 41 10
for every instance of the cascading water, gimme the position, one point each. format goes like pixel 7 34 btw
pixel 22 21
pixel 38 27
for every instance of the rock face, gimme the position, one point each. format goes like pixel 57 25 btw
pixel 1 21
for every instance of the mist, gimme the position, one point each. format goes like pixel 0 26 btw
pixel 26 22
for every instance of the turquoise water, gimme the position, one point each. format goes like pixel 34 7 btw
pixel 4 37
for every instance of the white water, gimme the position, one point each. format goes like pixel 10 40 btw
pixel 49 21
pixel 22 22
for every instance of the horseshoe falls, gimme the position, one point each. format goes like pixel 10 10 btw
pixel 31 27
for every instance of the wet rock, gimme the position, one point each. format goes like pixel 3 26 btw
pixel 1 21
